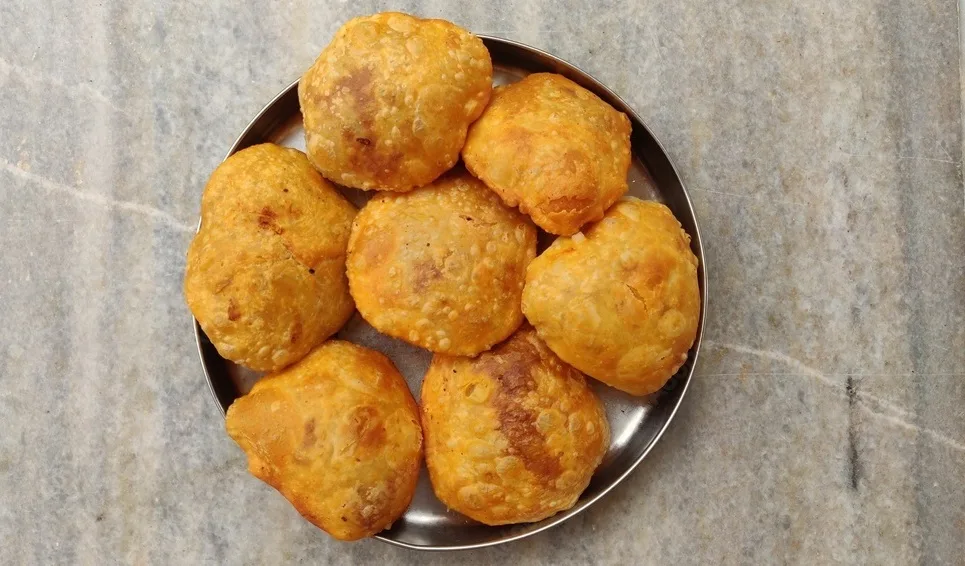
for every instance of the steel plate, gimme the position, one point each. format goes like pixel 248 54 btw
pixel 636 423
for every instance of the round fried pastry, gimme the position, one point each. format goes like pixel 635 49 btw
pixel 265 275
pixel 388 102
pixel 441 267
pixel 620 303
pixel 554 149
pixel 512 436
pixel 338 435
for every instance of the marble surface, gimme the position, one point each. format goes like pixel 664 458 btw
pixel 821 142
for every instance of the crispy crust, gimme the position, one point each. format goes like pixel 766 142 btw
pixel 387 104
pixel 621 303
pixel 441 267
pixel 338 435
pixel 554 149
pixel 512 436
pixel 265 275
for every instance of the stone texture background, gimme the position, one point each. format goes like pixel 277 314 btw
pixel 821 142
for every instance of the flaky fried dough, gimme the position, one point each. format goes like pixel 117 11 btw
pixel 338 435
pixel 387 104
pixel 554 149
pixel 441 267
pixel 265 275
pixel 512 436
pixel 620 303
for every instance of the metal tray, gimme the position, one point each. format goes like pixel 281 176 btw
pixel 636 422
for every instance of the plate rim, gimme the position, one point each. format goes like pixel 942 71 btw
pixel 558 519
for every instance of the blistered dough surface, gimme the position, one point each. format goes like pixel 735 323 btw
pixel 552 148
pixel 388 102
pixel 513 435
pixel 338 435
pixel 621 302
pixel 441 267
pixel 265 276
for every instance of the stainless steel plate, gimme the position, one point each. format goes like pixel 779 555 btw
pixel 636 423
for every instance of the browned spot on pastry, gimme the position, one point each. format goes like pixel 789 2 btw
pixel 368 428
pixel 383 165
pixel 310 437
pixel 296 331
pixel 654 272
pixel 510 365
pixel 223 285
pixel 565 204
pixel 378 161
pixel 573 160
pixel 267 221
pixel 509 279
pixel 425 273
pixel 357 85
pixel 371 503
pixel 233 312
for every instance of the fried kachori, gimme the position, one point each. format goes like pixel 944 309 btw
pixel 338 435
pixel 513 435
pixel 552 148
pixel 388 102
pixel 441 267
pixel 265 274
pixel 619 302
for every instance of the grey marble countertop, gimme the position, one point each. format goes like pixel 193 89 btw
pixel 822 145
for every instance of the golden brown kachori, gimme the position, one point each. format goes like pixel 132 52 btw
pixel 265 275
pixel 513 435
pixel 388 102
pixel 441 267
pixel 619 302
pixel 338 435
pixel 553 148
